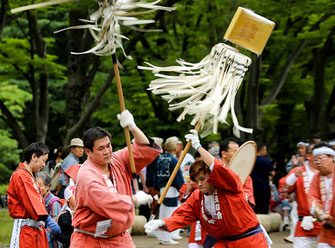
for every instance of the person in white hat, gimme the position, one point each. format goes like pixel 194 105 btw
pixel 76 152
pixel 321 194
pixel 299 180
pixel 297 159
pixel 65 218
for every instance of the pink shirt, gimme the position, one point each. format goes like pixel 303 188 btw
pixel 96 202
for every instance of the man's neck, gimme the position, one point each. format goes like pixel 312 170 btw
pixel 28 166
pixel 105 169
pixel 224 161
pixel 329 175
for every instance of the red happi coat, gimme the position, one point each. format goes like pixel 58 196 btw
pixel 97 201
pixel 301 188
pixel 332 205
pixel 235 216
pixel 249 191
pixel 182 199
pixel 72 171
pixel 25 201
pixel 327 235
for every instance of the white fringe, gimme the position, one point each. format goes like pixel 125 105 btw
pixel 207 88
pixel 105 23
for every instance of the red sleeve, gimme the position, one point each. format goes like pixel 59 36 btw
pixel 223 177
pixel 182 191
pixel 332 205
pixel 143 156
pixel 184 215
pixel 249 191
pixel 282 182
pixel 30 198
pixel 314 191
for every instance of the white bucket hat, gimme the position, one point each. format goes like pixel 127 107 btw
pixel 76 142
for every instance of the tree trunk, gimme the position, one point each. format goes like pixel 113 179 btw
pixel 314 106
pixel 76 118
pixel 14 125
pixel 80 75
pixel 252 107
pixel 3 9
pixel 329 115
pixel 42 106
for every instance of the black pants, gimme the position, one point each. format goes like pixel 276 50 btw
pixel 262 200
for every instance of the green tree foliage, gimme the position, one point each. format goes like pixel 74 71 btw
pixel 287 95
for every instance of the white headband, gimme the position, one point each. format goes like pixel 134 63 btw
pixel 302 144
pixel 323 150
pixel 332 143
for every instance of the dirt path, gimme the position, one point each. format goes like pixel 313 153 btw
pixel 148 242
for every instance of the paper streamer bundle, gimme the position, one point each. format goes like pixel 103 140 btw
pixel 104 24
pixel 207 89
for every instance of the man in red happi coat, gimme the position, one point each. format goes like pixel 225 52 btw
pixel 320 193
pixel 299 180
pixel 25 201
pixel 219 203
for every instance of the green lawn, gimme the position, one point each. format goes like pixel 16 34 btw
pixel 6 225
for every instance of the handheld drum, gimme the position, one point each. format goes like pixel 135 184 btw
pixel 244 160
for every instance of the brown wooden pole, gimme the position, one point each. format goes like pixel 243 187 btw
pixel 173 175
pixel 126 129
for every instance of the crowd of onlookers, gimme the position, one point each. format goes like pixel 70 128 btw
pixel 266 189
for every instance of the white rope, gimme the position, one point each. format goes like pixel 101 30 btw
pixel 104 24
pixel 206 89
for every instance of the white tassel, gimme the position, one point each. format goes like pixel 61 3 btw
pixel 207 88
pixel 105 23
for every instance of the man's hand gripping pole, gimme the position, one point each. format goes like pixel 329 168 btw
pixel 126 129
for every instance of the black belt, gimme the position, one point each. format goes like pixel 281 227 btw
pixel 250 232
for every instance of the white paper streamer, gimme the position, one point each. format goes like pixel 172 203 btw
pixel 104 24
pixel 207 88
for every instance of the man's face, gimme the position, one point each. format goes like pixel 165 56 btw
pixel 232 148
pixel 44 188
pixel 264 151
pixel 38 163
pixel 101 153
pixel 77 151
pixel 325 164
pixel 310 157
pixel 180 147
pixel 302 150
pixel 202 184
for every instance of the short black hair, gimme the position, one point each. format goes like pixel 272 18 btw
pixel 224 145
pixel 38 148
pixel 93 134
pixel 260 145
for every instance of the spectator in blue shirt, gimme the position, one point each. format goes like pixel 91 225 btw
pixel 76 152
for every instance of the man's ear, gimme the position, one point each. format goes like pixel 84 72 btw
pixel 34 157
pixel 223 154
pixel 87 151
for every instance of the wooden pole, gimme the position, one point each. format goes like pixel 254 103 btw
pixel 126 129
pixel 173 175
